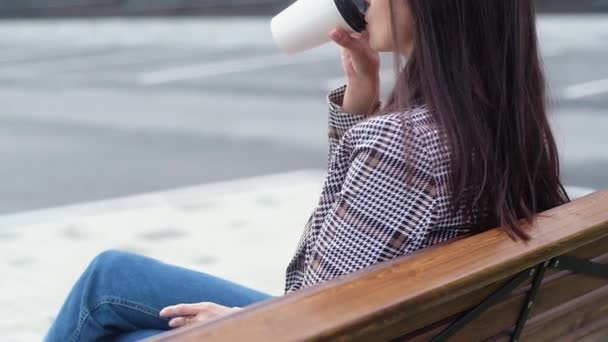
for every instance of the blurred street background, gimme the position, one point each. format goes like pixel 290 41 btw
pixel 99 108
pixel 176 129
pixel 67 8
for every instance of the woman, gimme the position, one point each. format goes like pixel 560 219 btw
pixel 461 145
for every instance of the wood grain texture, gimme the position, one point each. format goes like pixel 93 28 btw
pixel 582 316
pixel 557 287
pixel 593 331
pixel 390 298
pixel 555 290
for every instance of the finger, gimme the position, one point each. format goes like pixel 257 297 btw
pixel 345 40
pixel 181 310
pixel 179 321
pixel 345 53
pixel 360 35
pixel 353 39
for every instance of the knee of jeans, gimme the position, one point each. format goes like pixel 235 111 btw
pixel 111 260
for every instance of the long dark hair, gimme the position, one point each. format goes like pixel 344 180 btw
pixel 476 66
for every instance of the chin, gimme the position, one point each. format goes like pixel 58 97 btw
pixel 373 45
pixel 378 46
pixel 381 48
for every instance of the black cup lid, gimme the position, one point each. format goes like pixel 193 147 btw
pixel 353 12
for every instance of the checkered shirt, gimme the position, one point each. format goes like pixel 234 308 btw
pixel 378 202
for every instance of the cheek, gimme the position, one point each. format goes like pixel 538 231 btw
pixel 406 23
pixel 379 26
pixel 381 38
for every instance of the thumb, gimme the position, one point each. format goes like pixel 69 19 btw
pixel 345 40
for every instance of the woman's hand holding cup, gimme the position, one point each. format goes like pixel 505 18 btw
pixel 361 65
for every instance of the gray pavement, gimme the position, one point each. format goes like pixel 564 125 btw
pixel 108 108
pixel 103 108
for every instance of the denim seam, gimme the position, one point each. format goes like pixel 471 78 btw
pixel 83 317
pixel 126 303
pixel 116 301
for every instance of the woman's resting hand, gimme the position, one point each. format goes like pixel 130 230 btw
pixel 183 314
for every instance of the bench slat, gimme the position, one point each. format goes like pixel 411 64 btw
pixel 594 331
pixel 555 290
pixel 558 285
pixel 566 319
pixel 391 296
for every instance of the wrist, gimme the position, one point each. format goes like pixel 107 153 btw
pixel 364 85
pixel 361 98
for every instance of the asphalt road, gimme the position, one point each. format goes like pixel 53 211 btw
pixel 102 108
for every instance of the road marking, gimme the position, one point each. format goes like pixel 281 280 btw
pixel 586 89
pixel 57 56
pixel 199 71
pixel 57 63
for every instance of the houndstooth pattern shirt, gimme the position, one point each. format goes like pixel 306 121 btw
pixel 377 203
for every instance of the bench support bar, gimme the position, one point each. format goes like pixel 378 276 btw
pixel 483 306
pixel 564 262
pixel 570 263
pixel 525 311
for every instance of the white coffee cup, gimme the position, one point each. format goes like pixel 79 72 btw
pixel 306 23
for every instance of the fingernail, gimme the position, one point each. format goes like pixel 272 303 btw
pixel 336 35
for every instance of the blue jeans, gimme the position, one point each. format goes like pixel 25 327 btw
pixel 120 294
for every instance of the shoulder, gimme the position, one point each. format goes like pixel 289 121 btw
pixel 413 131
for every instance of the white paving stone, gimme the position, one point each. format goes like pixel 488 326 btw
pixel 245 231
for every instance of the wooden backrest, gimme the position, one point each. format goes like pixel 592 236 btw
pixel 417 296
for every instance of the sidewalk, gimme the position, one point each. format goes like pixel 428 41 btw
pixel 261 219
pixel 42 253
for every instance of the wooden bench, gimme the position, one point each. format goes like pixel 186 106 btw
pixel 483 287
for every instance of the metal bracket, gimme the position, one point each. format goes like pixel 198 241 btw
pixel 564 262
pixel 525 311
pixel 577 265
pixel 484 305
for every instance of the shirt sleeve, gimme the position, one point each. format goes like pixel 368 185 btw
pixel 339 120
pixel 384 206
